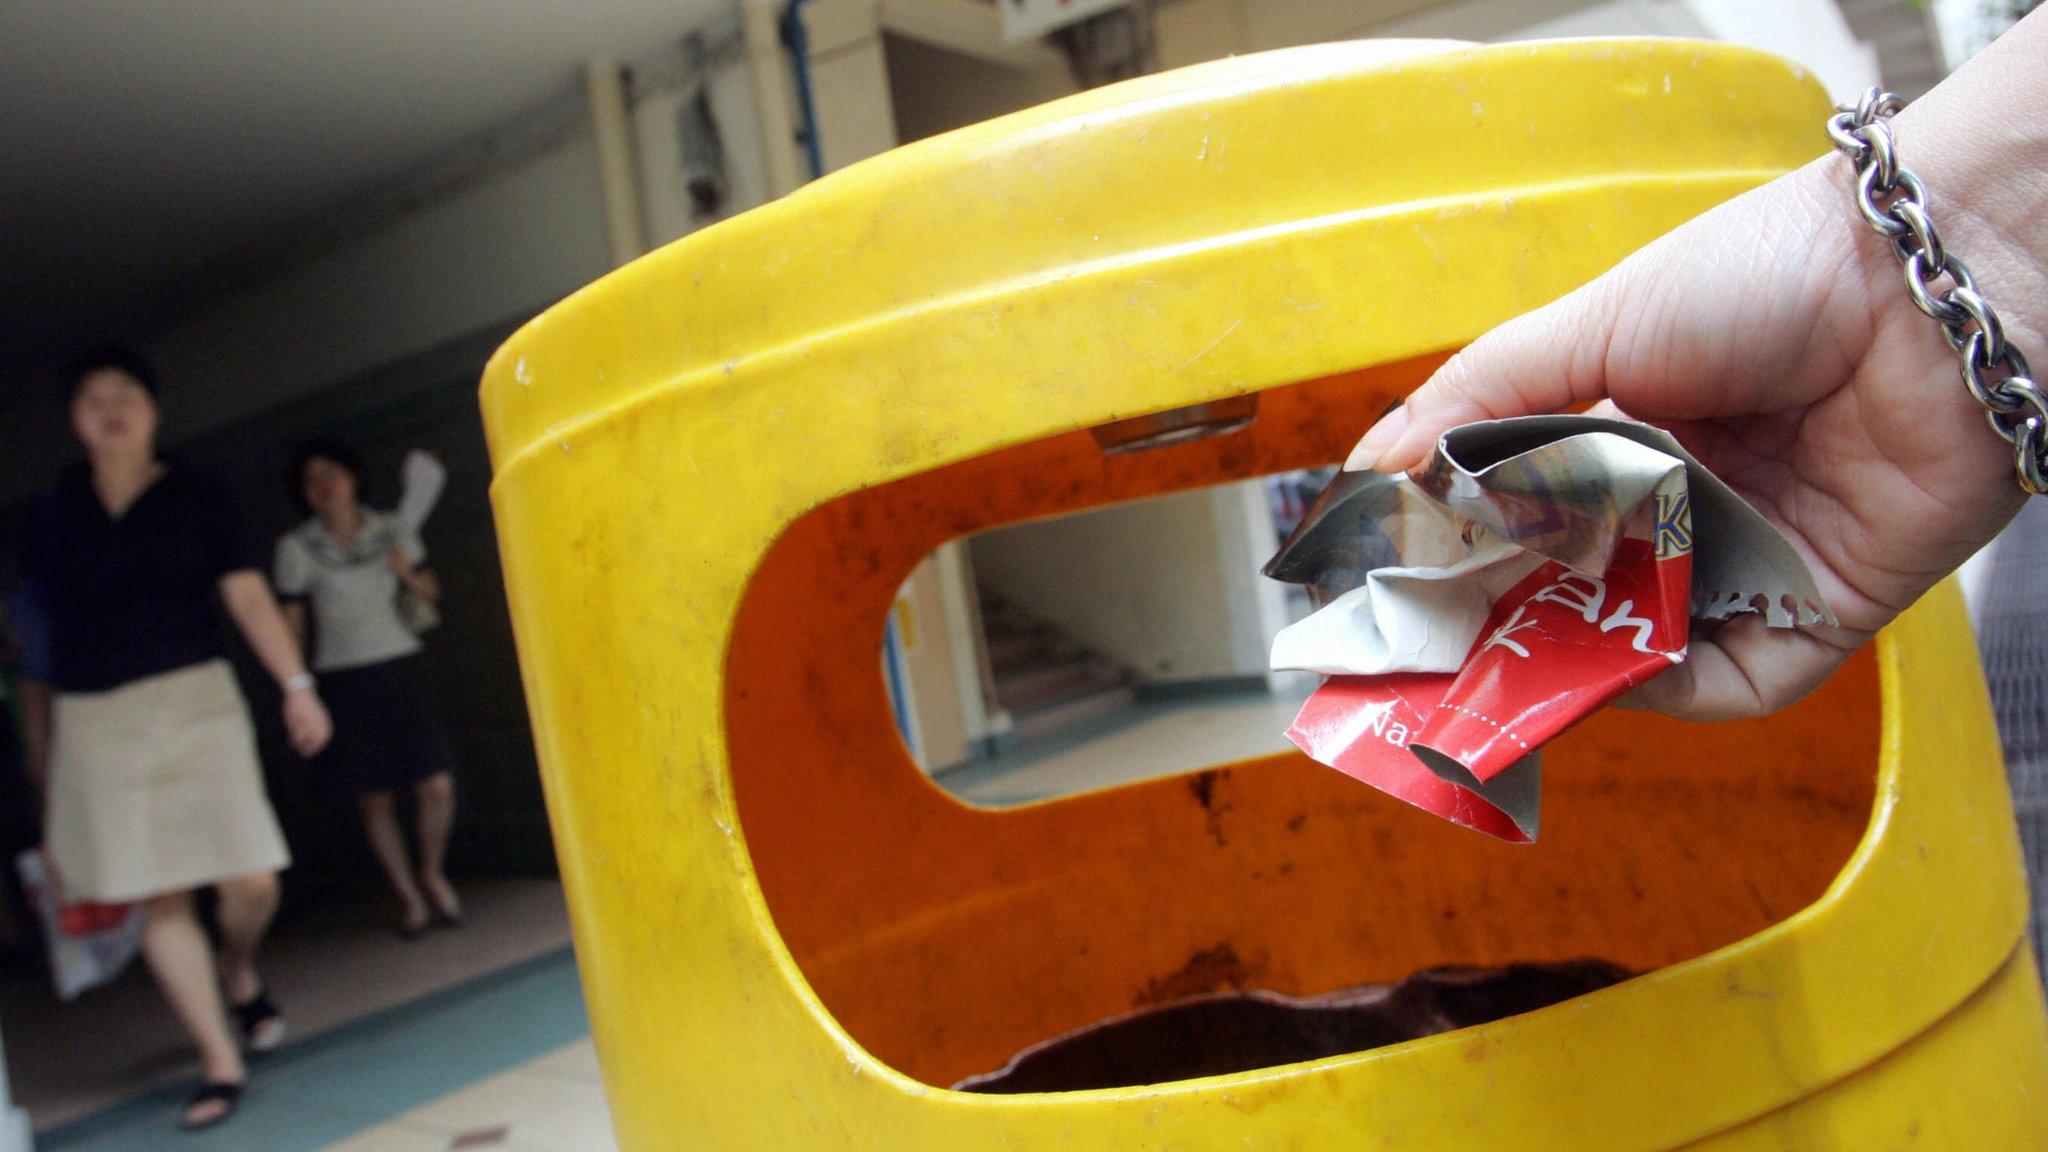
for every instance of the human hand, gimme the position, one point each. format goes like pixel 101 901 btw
pixel 306 721
pixel 1774 337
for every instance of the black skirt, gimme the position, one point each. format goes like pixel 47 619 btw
pixel 387 731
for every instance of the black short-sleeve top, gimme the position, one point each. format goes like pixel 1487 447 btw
pixel 133 596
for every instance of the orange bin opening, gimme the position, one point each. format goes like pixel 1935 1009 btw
pixel 945 938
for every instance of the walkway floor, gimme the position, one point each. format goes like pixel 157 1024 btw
pixel 501 1061
pixel 1139 743
pixel 328 969
pixel 477 1039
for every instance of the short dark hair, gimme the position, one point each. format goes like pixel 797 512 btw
pixel 119 357
pixel 333 451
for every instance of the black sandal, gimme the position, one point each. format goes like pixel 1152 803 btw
pixel 255 1016
pixel 228 1095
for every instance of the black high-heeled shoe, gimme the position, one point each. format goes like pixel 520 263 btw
pixel 262 1023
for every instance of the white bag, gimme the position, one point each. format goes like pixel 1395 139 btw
pixel 89 944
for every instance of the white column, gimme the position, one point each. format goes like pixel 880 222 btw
pixel 619 172
pixel 775 108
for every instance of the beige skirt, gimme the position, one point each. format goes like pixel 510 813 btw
pixel 155 787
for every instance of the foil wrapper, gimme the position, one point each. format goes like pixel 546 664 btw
pixel 1537 569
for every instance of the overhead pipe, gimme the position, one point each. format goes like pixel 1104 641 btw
pixel 799 40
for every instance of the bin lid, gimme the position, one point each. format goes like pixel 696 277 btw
pixel 1244 222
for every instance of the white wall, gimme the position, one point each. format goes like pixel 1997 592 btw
pixel 1168 587
pixel 849 81
pixel 1811 32
pixel 499 250
pixel 664 194
pixel 938 628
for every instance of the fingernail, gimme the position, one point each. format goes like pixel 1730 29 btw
pixel 1381 437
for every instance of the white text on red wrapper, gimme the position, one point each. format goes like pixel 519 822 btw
pixel 1378 719
pixel 1585 595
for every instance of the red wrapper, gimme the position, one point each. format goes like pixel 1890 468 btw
pixel 1362 726
pixel 1603 511
pixel 1559 645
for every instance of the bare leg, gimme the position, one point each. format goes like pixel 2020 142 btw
pixel 387 841
pixel 247 904
pixel 436 799
pixel 181 959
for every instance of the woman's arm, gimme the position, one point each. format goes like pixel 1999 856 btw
pixel 295 619
pixel 257 616
pixel 29 627
pixel 417 578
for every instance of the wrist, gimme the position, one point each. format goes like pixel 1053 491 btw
pixel 1987 174
pixel 303 682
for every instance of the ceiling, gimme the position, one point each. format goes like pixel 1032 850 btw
pixel 143 142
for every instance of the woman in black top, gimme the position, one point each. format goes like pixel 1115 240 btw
pixel 154 786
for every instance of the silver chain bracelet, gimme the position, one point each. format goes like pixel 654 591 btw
pixel 1894 201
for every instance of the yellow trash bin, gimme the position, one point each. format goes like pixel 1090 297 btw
pixel 715 466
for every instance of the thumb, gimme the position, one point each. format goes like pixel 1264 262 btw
pixel 1544 361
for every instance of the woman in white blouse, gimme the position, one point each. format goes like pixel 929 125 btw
pixel 361 574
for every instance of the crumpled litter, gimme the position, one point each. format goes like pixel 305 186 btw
pixel 1537 569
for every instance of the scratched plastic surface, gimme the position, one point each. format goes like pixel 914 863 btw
pixel 715 466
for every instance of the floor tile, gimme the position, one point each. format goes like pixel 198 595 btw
pixel 554 1112
pixel 396 1138
pixel 331 1088
pixel 577 1061
pixel 1139 743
